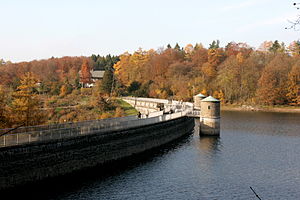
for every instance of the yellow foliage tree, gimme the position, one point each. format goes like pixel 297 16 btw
pixel 3 108
pixel 215 56
pixel 219 95
pixel 25 105
pixel 240 57
pixel 130 67
pixel 63 91
pixel 209 71
pixel 204 92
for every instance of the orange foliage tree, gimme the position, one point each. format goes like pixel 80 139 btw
pixel 86 76
pixel 293 85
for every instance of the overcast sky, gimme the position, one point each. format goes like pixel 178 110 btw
pixel 38 29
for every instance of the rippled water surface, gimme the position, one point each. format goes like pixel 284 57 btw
pixel 261 150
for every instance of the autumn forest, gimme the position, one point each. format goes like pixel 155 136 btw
pixel 54 90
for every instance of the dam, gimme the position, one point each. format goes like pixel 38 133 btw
pixel 30 154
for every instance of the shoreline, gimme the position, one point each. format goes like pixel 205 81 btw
pixel 290 109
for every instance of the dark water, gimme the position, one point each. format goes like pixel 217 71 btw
pixel 261 150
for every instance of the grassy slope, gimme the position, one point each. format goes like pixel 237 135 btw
pixel 128 109
pixel 77 107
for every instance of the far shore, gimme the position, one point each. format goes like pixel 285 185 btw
pixel 283 109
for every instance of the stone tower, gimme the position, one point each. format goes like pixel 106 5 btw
pixel 210 117
pixel 197 101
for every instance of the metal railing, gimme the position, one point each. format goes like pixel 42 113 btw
pixel 67 130
pixel 193 113
pixel 63 125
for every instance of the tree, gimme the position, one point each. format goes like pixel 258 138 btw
pixel 198 46
pixel 2 62
pixel 177 47
pixel 272 87
pixel 4 123
pixel 277 47
pixel 294 23
pixel 251 70
pixel 294 48
pixel 133 87
pixel 265 46
pixel 214 45
pixel 199 56
pixel 293 88
pixel 63 91
pixel 188 49
pixel 131 67
pixel 119 112
pixel 233 48
pixel 86 76
pixel 107 82
pixel 229 78
pixel 99 102
pixel 25 106
pixel 209 69
pixel 94 57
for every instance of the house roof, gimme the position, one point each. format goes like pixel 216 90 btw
pixel 97 74
pixel 210 99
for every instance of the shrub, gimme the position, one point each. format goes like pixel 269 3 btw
pixel 119 112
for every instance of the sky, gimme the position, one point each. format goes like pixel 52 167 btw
pixel 40 29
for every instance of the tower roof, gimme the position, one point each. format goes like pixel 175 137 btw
pixel 210 99
pixel 200 95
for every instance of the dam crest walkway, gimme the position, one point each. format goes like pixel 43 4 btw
pixel 153 111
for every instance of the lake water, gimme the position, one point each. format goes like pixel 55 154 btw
pixel 261 150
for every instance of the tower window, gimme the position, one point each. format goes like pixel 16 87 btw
pixel 208 107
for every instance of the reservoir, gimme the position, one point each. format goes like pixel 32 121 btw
pixel 255 149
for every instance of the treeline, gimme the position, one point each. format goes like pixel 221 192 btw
pixel 234 74
pixel 53 73
pixel 50 91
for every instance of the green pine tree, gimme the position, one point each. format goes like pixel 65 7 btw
pixel 275 47
pixel 177 47
pixel 214 45
pixel 107 82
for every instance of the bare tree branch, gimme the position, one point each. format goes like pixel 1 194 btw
pixel 295 23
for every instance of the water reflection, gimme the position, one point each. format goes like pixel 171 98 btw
pixel 262 123
pixel 208 144
pixel 255 149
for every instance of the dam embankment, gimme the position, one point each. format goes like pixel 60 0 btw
pixel 38 160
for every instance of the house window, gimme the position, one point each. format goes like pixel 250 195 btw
pixel 208 107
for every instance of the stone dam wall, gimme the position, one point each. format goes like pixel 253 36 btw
pixel 35 161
